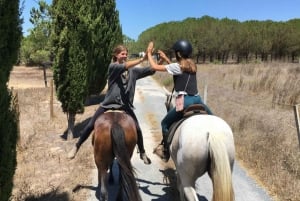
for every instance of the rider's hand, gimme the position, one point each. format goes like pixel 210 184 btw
pixel 150 47
pixel 163 56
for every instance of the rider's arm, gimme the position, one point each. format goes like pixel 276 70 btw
pixel 135 62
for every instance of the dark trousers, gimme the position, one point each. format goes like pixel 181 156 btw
pixel 85 133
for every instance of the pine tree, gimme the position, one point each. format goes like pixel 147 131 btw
pixel 10 33
pixel 84 33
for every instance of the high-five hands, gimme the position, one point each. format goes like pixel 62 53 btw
pixel 162 55
pixel 150 48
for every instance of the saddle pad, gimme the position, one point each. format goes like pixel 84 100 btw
pixel 121 111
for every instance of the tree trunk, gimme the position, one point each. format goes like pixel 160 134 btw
pixel 71 123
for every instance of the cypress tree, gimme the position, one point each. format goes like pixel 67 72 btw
pixel 10 33
pixel 84 33
pixel 70 63
pixel 104 27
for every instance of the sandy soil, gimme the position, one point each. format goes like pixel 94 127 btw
pixel 43 171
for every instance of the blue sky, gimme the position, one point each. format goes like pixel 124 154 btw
pixel 137 16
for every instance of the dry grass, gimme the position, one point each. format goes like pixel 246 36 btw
pixel 256 100
pixel 43 173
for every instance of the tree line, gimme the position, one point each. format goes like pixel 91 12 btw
pixel 226 40
pixel 214 40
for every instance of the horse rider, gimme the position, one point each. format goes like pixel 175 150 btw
pixel 184 72
pixel 122 77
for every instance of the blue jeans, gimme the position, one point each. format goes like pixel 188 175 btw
pixel 173 116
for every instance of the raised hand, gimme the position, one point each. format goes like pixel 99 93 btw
pixel 150 48
pixel 163 56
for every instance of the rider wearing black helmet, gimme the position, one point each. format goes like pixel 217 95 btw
pixel 184 48
pixel 185 84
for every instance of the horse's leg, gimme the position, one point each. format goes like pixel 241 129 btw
pixel 190 193
pixel 102 183
pixel 185 186
pixel 179 187
pixel 188 167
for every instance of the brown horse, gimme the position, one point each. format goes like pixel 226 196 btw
pixel 115 138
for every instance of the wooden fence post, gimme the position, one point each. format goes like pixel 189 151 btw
pixel 296 111
pixel 204 98
pixel 45 75
pixel 205 94
pixel 51 99
pixel 45 65
pixel 16 106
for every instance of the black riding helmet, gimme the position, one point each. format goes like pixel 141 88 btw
pixel 184 47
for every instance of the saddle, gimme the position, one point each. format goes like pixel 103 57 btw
pixel 195 109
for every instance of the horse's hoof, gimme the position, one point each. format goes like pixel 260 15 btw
pixel 145 158
pixel 72 153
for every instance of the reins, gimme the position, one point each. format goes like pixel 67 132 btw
pixel 170 99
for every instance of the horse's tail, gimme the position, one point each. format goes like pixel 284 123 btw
pixel 220 170
pixel 127 178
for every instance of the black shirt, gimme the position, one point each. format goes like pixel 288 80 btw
pixel 121 87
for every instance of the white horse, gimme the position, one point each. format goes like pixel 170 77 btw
pixel 204 143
